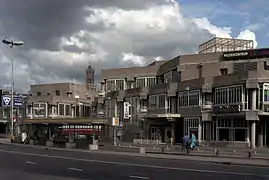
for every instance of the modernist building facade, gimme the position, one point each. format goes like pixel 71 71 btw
pixel 220 94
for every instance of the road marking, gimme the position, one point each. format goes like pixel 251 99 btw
pixel 139 165
pixel 75 169
pixel 138 177
pixel 30 162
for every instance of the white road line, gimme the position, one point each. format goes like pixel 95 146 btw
pixel 30 162
pixel 139 165
pixel 75 169
pixel 138 177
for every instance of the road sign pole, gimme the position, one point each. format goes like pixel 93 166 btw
pixel 12 97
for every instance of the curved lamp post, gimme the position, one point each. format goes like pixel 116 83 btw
pixel 12 44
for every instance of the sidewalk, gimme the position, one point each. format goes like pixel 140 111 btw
pixel 226 160
pixel 260 153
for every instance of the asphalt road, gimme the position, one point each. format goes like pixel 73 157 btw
pixel 26 163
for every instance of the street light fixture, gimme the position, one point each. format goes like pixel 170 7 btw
pixel 12 44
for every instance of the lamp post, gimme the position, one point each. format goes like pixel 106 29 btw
pixel 12 44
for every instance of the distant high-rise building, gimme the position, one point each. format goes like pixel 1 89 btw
pixel 89 76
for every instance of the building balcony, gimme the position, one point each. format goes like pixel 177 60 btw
pixel 141 92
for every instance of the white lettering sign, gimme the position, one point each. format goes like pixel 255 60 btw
pixel 126 110
pixel 235 54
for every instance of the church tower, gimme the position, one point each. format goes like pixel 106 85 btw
pixel 89 76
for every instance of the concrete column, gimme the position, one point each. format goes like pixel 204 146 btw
pixel 253 134
pixel 200 131
pixel 253 125
pixel 253 96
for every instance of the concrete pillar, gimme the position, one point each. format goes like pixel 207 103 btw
pixel 253 134
pixel 253 125
pixel 200 131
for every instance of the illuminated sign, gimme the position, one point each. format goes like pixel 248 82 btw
pixel 248 54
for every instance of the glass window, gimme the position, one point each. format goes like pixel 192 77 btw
pixel 266 93
pixel 140 82
pixel 229 95
pixel 151 81
pixel 61 109
pixel 176 76
pixel 119 84
pixel 162 100
pixel 58 93
pixel 68 110
pixel 110 85
pixel 152 101
pixel 189 98
pixel 183 99
pixel 194 98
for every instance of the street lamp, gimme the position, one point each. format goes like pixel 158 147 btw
pixel 12 44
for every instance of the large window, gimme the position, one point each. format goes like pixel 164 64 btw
pixel 189 98
pixel 68 111
pixel 119 84
pixel 229 95
pixel 266 93
pixel 61 109
pixel 110 85
pixel 162 99
pixel 140 82
pixel 151 81
pixel 153 102
pixel 39 109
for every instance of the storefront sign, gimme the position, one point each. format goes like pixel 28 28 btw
pixel 6 101
pixel 247 54
pixel 126 110
pixel 235 54
pixel 115 121
pixel 227 109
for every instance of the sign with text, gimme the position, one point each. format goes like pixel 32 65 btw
pixel 246 54
pixel 126 110
pixel 6 101
pixel 227 109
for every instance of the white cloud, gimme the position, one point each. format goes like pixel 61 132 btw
pixel 120 37
pixel 225 32
pixel 249 35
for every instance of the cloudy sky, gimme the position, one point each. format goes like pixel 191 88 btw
pixel 62 37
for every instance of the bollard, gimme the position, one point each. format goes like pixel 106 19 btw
pixel 162 149
pixel 249 155
pixel 217 152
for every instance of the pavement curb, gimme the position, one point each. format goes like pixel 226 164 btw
pixel 206 159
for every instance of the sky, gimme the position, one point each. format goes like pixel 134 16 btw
pixel 63 37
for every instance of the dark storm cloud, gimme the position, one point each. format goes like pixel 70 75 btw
pixel 41 23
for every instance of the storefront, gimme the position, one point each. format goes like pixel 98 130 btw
pixel 192 125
